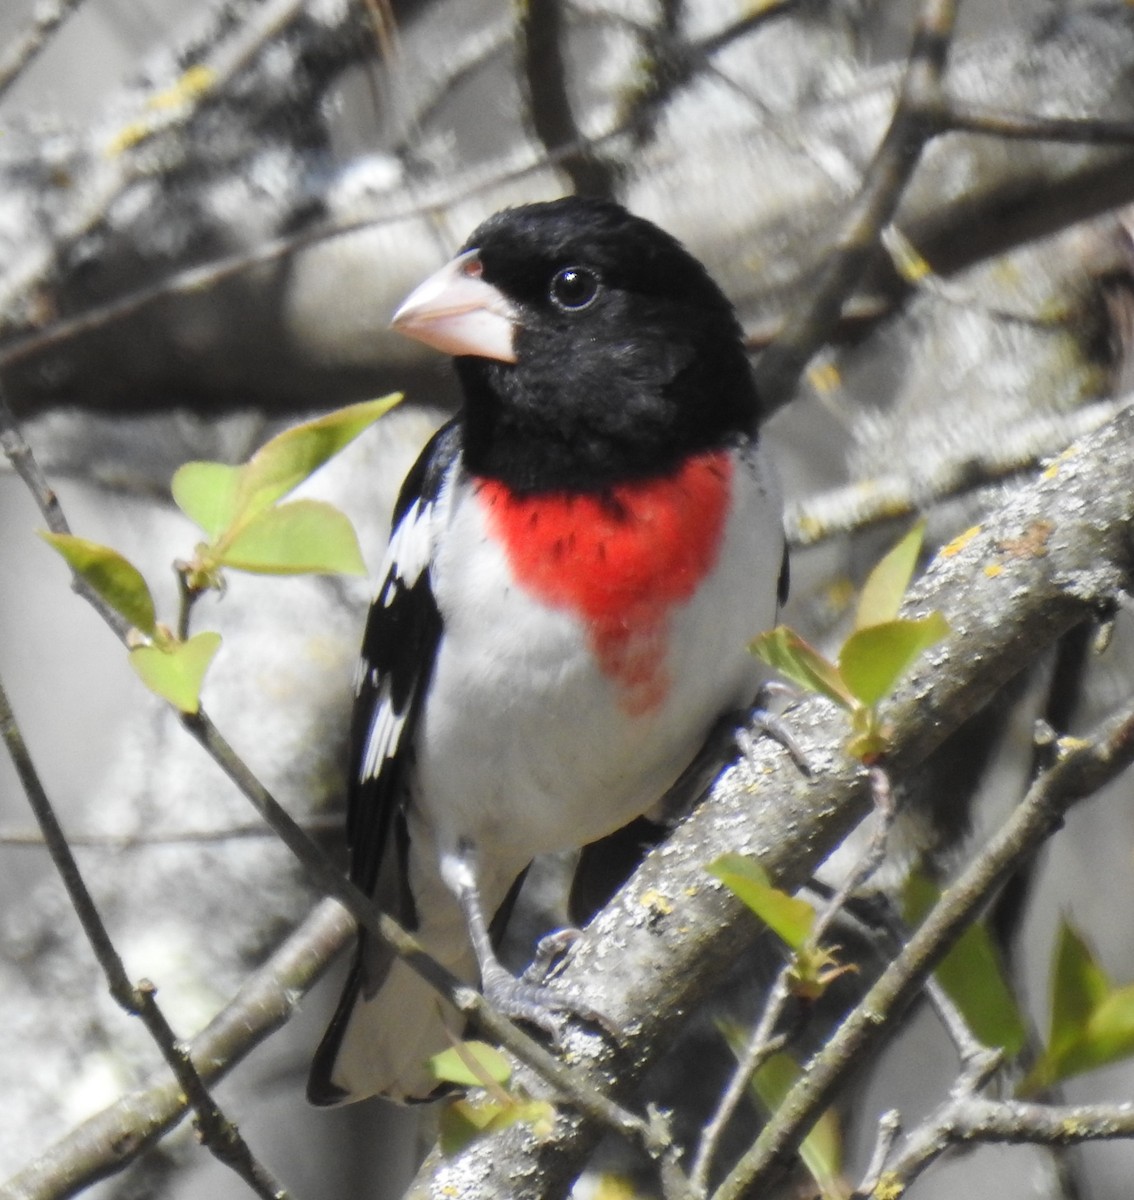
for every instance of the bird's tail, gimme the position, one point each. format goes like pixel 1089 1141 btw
pixel 377 1044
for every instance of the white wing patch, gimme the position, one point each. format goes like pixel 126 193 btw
pixel 407 557
pixel 385 733
pixel 410 547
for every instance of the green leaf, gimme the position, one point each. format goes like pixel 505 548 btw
pixel 113 577
pixel 300 537
pixel 470 1064
pixel 797 660
pixel 873 659
pixel 972 975
pixel 1092 1021
pixel 283 463
pixel 1112 1030
pixel 790 918
pixel 464 1121
pixel 219 498
pixel 176 670
pixel 1079 987
pixel 886 585
pixel 209 494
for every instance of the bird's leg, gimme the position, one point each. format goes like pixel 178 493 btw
pixel 515 998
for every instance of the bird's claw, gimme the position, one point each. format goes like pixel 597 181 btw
pixel 774 726
pixel 549 953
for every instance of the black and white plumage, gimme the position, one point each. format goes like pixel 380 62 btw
pixel 577 564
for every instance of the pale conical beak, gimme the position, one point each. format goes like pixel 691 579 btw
pixel 456 312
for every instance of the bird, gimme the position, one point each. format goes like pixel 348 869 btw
pixel 578 561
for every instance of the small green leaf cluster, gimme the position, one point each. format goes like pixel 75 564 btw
pixel 814 967
pixel 492 1108
pixel 248 529
pixel 1092 1018
pixel 880 650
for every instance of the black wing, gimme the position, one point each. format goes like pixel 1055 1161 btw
pixel 398 651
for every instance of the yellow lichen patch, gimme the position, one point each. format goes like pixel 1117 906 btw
pixel 825 378
pixel 656 902
pixel 193 83
pixel 1052 468
pixel 127 136
pixel 959 542
pixel 811 529
pixel 888 1188
pixel 907 260
pixel 993 569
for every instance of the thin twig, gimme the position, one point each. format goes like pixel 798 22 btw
pixel 543 76
pixel 970 1118
pixel 326 876
pixel 22 50
pixel 762 1044
pixel 961 117
pixel 27 839
pixel 889 1126
pixel 19 455
pixel 216 1131
pixel 915 121
pixel 117 169
pixel 1085 767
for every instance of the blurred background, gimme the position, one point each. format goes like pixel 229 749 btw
pixel 208 212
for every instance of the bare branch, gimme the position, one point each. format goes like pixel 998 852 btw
pixel 26 839
pixel 217 1132
pixel 1088 131
pixel 969 1119
pixel 914 122
pixel 1007 599
pixel 762 1044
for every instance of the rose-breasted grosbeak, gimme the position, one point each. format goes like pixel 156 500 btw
pixel 577 564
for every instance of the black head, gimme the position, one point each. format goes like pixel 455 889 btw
pixel 626 356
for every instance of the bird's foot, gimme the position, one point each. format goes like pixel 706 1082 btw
pixel 761 718
pixel 534 1002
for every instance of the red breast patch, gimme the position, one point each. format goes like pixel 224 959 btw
pixel 619 559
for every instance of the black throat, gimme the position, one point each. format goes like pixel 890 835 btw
pixel 579 425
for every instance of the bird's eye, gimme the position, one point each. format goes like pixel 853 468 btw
pixel 574 288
